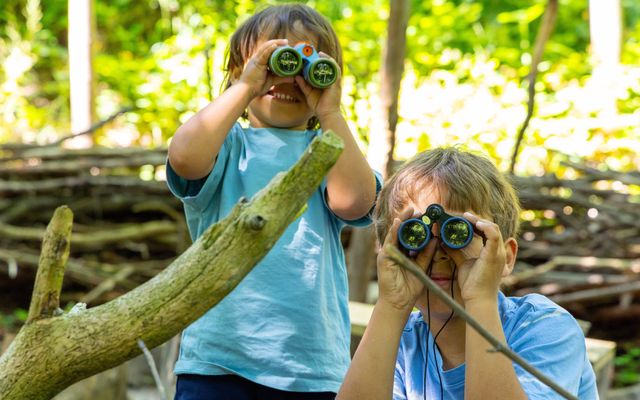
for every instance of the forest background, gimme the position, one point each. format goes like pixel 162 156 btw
pixel 464 80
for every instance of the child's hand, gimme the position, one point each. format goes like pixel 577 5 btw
pixel 256 71
pixel 322 102
pixel 399 287
pixel 480 266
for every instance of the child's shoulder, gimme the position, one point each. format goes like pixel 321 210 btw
pixel 531 301
pixel 535 311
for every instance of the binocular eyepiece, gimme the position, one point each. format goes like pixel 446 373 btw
pixel 289 61
pixel 455 232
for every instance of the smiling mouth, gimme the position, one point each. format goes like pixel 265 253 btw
pixel 282 97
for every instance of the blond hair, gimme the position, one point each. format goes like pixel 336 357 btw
pixel 275 22
pixel 466 180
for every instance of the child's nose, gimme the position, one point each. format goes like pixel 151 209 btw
pixel 440 255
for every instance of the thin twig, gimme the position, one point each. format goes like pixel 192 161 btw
pixel 395 254
pixel 154 369
pixel 546 27
pixel 92 128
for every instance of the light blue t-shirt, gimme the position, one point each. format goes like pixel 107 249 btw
pixel 286 325
pixel 538 330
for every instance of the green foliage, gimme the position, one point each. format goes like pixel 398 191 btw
pixel 627 368
pixel 12 322
pixel 464 79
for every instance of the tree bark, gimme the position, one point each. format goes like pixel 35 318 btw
pixel 45 300
pixel 51 353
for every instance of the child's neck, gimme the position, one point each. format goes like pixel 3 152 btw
pixel 451 341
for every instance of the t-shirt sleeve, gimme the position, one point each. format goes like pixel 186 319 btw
pixel 195 193
pixel 551 340
pixel 365 220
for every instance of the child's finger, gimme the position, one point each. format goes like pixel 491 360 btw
pixel 303 85
pixel 491 232
pixel 322 54
pixel 264 51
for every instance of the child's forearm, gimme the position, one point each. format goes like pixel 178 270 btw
pixel 195 145
pixel 488 374
pixel 351 187
pixel 371 373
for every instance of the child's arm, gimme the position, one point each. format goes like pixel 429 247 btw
pixel 195 145
pixel 351 186
pixel 487 374
pixel 371 373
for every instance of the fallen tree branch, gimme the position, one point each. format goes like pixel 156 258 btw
pixel 45 300
pixel 597 293
pixel 81 343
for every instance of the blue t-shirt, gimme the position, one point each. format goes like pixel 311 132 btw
pixel 538 330
pixel 286 325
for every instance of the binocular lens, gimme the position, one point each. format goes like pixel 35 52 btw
pixel 285 62
pixel 413 234
pixel 323 73
pixel 288 61
pixel 456 232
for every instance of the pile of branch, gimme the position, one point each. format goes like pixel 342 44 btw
pixel 580 242
pixel 580 238
pixel 128 225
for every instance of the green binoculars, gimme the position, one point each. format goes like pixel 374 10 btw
pixel 455 232
pixel 317 71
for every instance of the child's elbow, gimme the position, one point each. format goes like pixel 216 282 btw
pixel 351 209
pixel 184 165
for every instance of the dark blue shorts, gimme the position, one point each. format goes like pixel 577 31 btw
pixel 234 387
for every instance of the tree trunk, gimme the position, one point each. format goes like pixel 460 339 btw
pixel 361 254
pixel 81 34
pixel 605 27
pixel 51 352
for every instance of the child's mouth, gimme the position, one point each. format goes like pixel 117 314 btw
pixel 441 280
pixel 282 97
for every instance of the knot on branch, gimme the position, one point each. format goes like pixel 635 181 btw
pixel 256 222
pixel 78 308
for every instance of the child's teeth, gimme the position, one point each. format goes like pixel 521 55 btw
pixel 283 96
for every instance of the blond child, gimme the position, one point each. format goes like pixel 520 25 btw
pixel 431 353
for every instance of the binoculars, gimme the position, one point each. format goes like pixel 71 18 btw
pixel 289 61
pixel 455 232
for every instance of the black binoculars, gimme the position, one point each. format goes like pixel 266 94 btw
pixel 317 71
pixel 455 232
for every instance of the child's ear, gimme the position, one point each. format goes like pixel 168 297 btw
pixel 511 251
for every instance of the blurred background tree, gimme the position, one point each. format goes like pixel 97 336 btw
pixel 464 81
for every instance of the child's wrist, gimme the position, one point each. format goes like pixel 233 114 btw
pixel 481 302
pixel 329 115
pixel 246 89
pixel 391 307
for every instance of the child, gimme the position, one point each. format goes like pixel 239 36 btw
pixel 284 329
pixel 431 353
